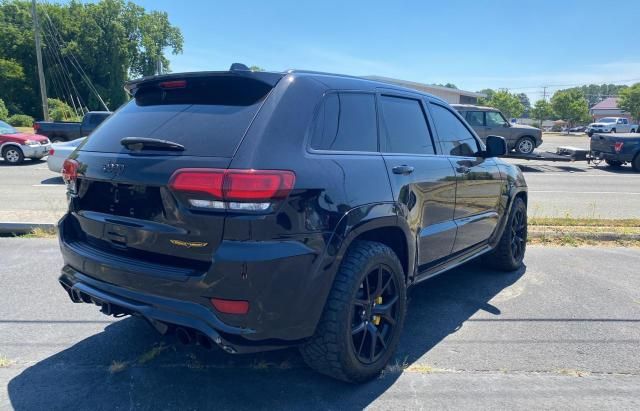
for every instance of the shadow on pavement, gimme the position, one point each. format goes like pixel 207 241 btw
pixel 129 365
pixel 53 180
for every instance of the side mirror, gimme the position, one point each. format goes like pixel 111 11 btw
pixel 496 147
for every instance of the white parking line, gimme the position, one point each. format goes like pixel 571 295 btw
pixel 584 192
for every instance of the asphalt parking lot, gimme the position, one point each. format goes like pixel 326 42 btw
pixel 563 332
pixel 32 193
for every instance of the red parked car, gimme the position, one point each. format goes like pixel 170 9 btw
pixel 16 146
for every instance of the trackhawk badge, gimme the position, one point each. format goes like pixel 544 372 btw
pixel 188 244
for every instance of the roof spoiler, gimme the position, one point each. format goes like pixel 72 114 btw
pixel 236 70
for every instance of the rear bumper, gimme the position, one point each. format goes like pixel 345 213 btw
pixel 160 310
pixel 624 157
pixel 279 279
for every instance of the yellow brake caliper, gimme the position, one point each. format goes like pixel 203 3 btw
pixel 376 318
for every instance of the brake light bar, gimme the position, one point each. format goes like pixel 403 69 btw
pixel 173 84
pixel 248 190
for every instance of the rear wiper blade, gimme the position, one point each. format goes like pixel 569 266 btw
pixel 139 143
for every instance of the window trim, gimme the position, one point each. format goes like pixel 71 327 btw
pixel 316 113
pixel 407 96
pixel 481 146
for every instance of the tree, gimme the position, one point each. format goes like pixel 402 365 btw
pixel 542 110
pixel 524 100
pixel 484 101
pixel 4 113
pixel 256 68
pixel 447 85
pixel 111 40
pixel 506 102
pixel 570 105
pixel 630 100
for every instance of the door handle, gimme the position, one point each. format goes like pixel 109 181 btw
pixel 403 170
pixel 463 169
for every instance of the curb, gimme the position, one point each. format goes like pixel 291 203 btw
pixel 25 228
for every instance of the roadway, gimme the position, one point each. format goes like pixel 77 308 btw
pixel 32 193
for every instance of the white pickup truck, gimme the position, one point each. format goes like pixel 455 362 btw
pixel 611 125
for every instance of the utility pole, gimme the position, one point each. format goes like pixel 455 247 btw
pixel 43 85
pixel 544 93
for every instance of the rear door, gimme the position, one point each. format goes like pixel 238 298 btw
pixel 423 182
pixel 123 204
pixel 478 180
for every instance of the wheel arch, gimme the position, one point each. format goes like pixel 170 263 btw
pixel 9 144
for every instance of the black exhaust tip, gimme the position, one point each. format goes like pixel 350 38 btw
pixel 204 341
pixel 185 336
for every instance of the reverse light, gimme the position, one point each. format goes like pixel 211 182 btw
pixel 230 306
pixel 618 146
pixel 240 190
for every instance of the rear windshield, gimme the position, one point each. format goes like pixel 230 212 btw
pixel 208 116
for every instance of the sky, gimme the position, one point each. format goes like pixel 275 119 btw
pixel 474 44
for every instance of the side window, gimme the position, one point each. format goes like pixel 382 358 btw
pixel 475 118
pixel 495 119
pixel 403 128
pixel 455 138
pixel 346 122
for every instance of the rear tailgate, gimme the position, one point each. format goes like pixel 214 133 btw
pixel 604 143
pixel 122 210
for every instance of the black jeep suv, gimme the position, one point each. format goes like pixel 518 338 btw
pixel 256 210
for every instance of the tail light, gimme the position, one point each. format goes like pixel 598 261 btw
pixel 248 190
pixel 51 151
pixel 173 84
pixel 70 173
pixel 618 146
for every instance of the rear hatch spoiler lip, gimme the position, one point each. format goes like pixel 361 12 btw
pixel 269 78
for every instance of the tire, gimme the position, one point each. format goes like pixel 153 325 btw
pixel 525 145
pixel 355 346
pixel 509 253
pixel 590 133
pixel 633 130
pixel 614 163
pixel 613 131
pixel 13 155
pixel 636 163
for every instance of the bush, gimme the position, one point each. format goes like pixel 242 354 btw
pixel 4 113
pixel 20 120
pixel 61 111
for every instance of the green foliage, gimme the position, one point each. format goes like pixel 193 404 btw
pixel 256 68
pixel 20 120
pixel 570 105
pixel 524 100
pixel 447 85
pixel 504 101
pixel 112 40
pixel 61 111
pixel 4 113
pixel 542 110
pixel 595 93
pixel 630 100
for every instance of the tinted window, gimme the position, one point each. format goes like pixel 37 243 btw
pixel 455 138
pixel 346 122
pixel 209 116
pixel 495 119
pixel 404 127
pixel 475 118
